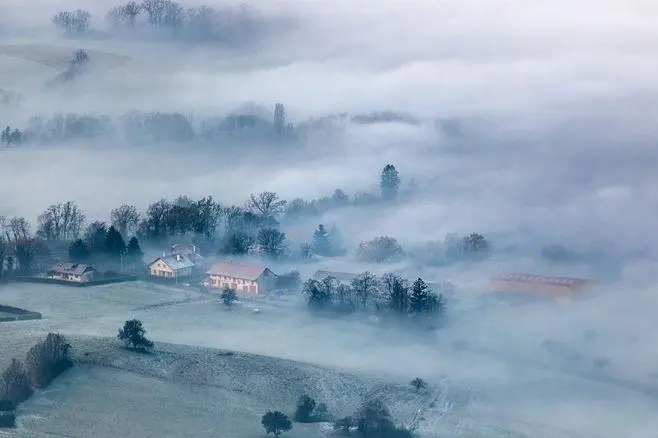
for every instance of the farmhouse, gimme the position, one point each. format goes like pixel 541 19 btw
pixel 171 266
pixel 72 272
pixel 341 277
pixel 538 284
pixel 245 279
pixel 188 250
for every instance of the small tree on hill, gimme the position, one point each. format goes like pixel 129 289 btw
pixel 275 423
pixel 229 297
pixel 48 359
pixel 418 384
pixel 133 333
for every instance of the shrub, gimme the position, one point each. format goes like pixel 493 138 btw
pixel 48 359
pixel 305 407
pixel 7 419
pixel 133 333
pixel 275 423
pixel 345 424
pixel 16 386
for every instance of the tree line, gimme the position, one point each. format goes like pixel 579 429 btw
pixel 168 19
pixel 215 228
pixel 367 293
pixel 153 127
pixel 43 363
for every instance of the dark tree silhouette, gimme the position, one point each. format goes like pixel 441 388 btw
pixel 229 297
pixel 275 422
pixel 272 242
pixel 305 408
pixel 418 384
pixel 78 251
pixel 389 182
pixel 321 242
pixel 133 334
pixel 114 243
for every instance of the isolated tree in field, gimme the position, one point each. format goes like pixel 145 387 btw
pixel 16 386
pixel 418 384
pixel 389 182
pixel 365 287
pixel 321 242
pixel 133 334
pixel 276 422
pixel 80 58
pixel 78 252
pixel 228 297
pixel 114 243
pixel 272 242
pixel 266 204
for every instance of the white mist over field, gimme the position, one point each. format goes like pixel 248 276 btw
pixel 534 124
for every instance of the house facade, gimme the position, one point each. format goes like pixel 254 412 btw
pixel 68 271
pixel 171 266
pixel 244 279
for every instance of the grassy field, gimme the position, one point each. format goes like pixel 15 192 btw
pixel 190 387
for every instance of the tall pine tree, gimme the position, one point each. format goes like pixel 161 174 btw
pixel 389 182
pixel 115 246
pixel 321 242
pixel 134 252
pixel 419 299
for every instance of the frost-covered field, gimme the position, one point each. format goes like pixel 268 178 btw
pixel 194 388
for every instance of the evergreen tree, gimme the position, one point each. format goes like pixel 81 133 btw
pixel 321 242
pixel 134 252
pixel 114 243
pixel 397 293
pixel 389 182
pixel 78 251
pixel 419 299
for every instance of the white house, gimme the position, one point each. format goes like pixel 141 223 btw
pixel 171 266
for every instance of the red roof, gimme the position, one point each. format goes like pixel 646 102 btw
pixel 236 270
pixel 541 279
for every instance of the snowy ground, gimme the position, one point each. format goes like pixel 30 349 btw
pixel 473 393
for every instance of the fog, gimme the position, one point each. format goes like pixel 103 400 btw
pixel 535 125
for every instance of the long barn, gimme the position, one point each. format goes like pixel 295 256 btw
pixel 538 284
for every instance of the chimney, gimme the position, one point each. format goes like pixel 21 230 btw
pixel 178 258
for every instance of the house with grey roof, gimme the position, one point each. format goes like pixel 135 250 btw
pixel 171 266
pixel 69 271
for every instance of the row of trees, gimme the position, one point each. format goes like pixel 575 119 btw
pixel 366 292
pixel 43 363
pixel 168 18
pixel 154 127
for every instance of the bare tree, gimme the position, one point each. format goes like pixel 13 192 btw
pixel 61 222
pixel 365 286
pixel 19 228
pixel 125 219
pixel 163 13
pixel 15 384
pixel 124 15
pixel 266 204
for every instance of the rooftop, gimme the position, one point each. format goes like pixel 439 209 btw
pixel 340 276
pixel 541 279
pixel 176 261
pixel 70 268
pixel 236 270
